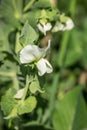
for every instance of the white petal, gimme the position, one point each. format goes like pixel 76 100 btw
pixel 47 27
pixel 44 28
pixel 41 28
pixel 49 68
pixel 19 94
pixel 31 53
pixel 58 27
pixel 43 66
pixel 69 24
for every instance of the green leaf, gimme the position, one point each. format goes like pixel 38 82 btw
pixel 8 102
pixel 11 11
pixel 8 66
pixel 84 54
pixel 80 121
pixel 27 106
pixel 28 35
pixel 4 31
pixel 74 51
pixel 69 110
pixel 35 87
pixel 42 4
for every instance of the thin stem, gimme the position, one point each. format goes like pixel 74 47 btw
pixel 63 48
pixel 64 44
pixel 28 81
pixel 72 7
pixel 26 88
pixel 18 45
pixel 28 5
pixel 15 83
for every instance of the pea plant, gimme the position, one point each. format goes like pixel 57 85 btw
pixel 27 29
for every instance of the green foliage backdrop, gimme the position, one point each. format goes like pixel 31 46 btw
pixel 56 101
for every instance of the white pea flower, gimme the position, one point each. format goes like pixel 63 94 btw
pixel 66 25
pixel 32 53
pixel 44 27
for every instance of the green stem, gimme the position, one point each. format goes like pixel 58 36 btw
pixel 64 43
pixel 28 81
pixel 15 83
pixel 18 46
pixel 72 7
pixel 63 48
pixel 28 5
pixel 26 88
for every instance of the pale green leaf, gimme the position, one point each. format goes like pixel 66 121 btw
pixel 28 35
pixel 35 87
pixel 42 4
pixel 8 102
pixel 11 11
pixel 27 106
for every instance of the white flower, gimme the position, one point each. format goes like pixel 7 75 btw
pixel 32 53
pixel 43 66
pixel 44 27
pixel 67 25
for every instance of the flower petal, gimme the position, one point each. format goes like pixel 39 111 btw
pixel 58 27
pixel 40 27
pixel 43 66
pixel 49 68
pixel 69 24
pixel 47 26
pixel 31 53
pixel 44 27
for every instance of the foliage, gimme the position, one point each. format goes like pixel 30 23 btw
pixel 29 98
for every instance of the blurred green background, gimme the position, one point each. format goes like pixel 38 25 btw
pixel 64 105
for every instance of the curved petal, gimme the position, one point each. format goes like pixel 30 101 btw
pixel 31 53
pixel 43 66
pixel 47 26
pixel 58 27
pixel 44 27
pixel 69 24
pixel 49 68
pixel 41 28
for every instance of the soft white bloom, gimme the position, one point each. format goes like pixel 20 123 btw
pixel 32 53
pixel 67 25
pixel 43 66
pixel 44 27
pixel 58 27
pixel 19 94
